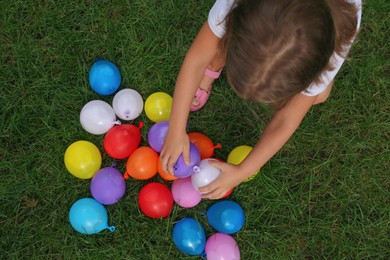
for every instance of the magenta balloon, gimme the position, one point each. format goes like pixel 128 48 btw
pixel 108 186
pixel 221 247
pixel 184 193
pixel 157 134
pixel 181 169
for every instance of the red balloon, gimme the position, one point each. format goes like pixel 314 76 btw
pixel 155 200
pixel 142 164
pixel 122 140
pixel 227 194
pixel 204 144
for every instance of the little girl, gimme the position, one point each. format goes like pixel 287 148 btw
pixel 280 52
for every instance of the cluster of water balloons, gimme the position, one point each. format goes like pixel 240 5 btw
pixel 122 141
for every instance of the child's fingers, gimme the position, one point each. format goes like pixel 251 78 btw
pixel 170 165
pixel 186 154
pixel 213 195
pixel 217 164
pixel 206 190
pixel 164 162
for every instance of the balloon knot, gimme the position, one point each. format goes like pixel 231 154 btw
pixel 126 176
pixel 204 255
pixel 218 146
pixel 113 164
pixel 196 169
pixel 127 114
pixel 140 125
pixel 112 228
pixel 117 122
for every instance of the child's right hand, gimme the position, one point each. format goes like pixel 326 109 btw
pixel 175 144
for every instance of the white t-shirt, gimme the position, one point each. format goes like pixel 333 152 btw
pixel 216 21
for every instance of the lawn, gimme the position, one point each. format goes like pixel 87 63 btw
pixel 325 195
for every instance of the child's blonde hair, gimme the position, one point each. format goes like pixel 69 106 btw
pixel 277 48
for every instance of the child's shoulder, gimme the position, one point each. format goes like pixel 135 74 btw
pixel 217 15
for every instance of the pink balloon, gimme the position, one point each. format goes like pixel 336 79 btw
pixel 184 193
pixel 221 247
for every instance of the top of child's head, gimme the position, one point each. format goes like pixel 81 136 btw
pixel 276 48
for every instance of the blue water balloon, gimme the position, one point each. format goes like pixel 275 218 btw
pixel 104 77
pixel 88 216
pixel 189 236
pixel 226 216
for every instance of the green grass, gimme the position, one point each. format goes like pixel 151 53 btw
pixel 325 195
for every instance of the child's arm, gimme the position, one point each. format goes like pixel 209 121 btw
pixel 275 135
pixel 198 57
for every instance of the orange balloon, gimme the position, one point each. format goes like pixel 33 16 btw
pixel 165 175
pixel 142 164
pixel 204 144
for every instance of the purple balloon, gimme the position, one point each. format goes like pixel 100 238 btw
pixel 184 193
pixel 181 169
pixel 108 186
pixel 221 247
pixel 157 134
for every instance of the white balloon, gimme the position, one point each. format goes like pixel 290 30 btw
pixel 128 104
pixel 97 117
pixel 204 174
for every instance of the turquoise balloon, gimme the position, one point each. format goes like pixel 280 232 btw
pixel 104 77
pixel 226 216
pixel 189 236
pixel 88 216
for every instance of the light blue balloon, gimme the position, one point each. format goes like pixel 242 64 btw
pixel 88 216
pixel 189 236
pixel 226 216
pixel 104 77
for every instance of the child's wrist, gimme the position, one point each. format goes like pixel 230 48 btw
pixel 246 173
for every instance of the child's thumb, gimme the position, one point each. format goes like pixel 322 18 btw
pixel 186 155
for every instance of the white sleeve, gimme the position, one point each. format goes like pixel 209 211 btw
pixel 326 77
pixel 217 14
pixel 336 61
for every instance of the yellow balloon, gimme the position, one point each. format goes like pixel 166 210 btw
pixel 238 154
pixel 158 106
pixel 82 159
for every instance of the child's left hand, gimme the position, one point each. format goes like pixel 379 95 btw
pixel 229 178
